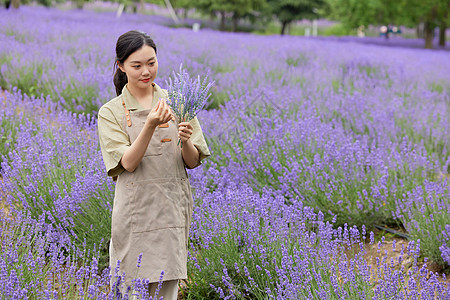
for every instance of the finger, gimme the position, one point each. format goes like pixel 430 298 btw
pixel 185 129
pixel 160 105
pixel 166 106
pixel 169 115
pixel 187 124
pixel 186 132
pixel 183 136
pixel 155 108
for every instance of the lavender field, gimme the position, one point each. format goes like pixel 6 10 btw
pixel 313 142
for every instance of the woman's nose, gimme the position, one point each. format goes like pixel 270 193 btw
pixel 146 70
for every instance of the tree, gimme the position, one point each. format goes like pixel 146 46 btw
pixel 182 5
pixel 234 8
pixel 432 13
pixel 14 3
pixel 443 24
pixel 355 13
pixel 288 11
pixel 444 21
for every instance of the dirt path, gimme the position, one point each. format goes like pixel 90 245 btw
pixel 387 249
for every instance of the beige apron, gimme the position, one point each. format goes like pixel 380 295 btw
pixel 152 208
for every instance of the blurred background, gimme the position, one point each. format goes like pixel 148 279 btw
pixel 387 21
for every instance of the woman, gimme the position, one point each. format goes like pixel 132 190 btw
pixel 138 137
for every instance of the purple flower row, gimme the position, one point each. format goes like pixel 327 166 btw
pixel 256 241
pixel 53 169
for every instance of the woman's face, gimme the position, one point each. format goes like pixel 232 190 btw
pixel 141 67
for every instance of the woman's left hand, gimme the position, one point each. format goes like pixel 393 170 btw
pixel 184 131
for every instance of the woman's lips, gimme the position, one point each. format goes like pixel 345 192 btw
pixel 146 80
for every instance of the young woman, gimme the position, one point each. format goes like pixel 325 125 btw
pixel 138 138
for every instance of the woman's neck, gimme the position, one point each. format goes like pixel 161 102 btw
pixel 143 96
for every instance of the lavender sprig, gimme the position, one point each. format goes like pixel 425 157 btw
pixel 187 96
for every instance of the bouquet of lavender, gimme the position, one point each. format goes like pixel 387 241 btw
pixel 187 96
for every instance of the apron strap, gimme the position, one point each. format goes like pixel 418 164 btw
pixel 127 114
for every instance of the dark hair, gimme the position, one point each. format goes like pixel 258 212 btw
pixel 128 43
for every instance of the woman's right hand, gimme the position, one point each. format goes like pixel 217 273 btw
pixel 160 114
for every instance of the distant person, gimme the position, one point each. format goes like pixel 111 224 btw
pixel 138 138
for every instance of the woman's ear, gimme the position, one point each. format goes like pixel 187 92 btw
pixel 121 67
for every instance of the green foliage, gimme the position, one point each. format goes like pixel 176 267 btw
pixel 287 11
pixel 25 249
pixel 237 8
pixel 28 252
pixel 92 224
pixel 338 30
pixel 28 79
pixel 425 220
pixel 231 260
pixel 10 126
pixel 88 226
pixel 217 99
pixel 301 59
pixel 354 13
pixel 184 4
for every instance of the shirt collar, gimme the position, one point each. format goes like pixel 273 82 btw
pixel 131 102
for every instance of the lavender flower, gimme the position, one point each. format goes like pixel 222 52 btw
pixel 187 96
pixel 139 260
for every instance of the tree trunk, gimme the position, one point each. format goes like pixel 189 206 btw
pixel 235 21
pixel 15 3
pixel 419 30
pixel 7 4
pixel 79 4
pixel 428 30
pixel 141 6
pixel 283 27
pixel 172 11
pixel 442 28
pixel 222 21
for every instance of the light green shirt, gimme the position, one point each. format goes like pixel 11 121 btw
pixel 114 141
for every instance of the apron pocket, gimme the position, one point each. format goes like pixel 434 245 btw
pixel 155 145
pixel 157 204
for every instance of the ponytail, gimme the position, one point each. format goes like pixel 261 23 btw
pixel 120 80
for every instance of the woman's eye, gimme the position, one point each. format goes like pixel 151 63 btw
pixel 152 63
pixel 136 67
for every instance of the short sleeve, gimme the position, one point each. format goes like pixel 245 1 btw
pixel 113 141
pixel 198 140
